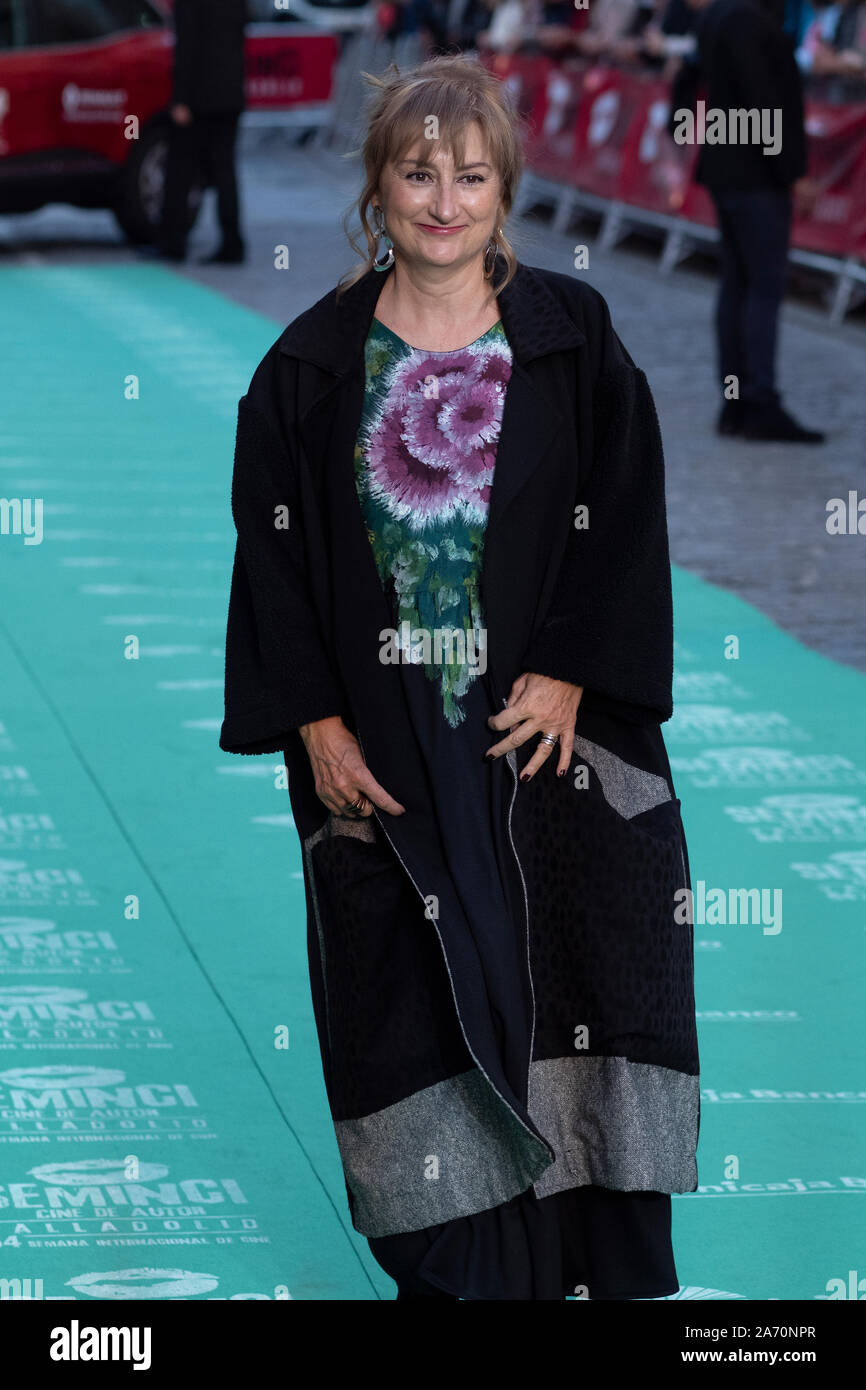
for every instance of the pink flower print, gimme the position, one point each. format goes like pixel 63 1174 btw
pixel 433 451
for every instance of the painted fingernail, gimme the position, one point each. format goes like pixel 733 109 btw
pixel 562 771
pixel 524 776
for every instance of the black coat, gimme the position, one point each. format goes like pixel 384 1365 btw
pixel 209 62
pixel 747 62
pixel 407 1042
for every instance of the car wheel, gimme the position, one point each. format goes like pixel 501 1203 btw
pixel 138 206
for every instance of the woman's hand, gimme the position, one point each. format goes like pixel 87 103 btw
pixel 538 705
pixel 340 771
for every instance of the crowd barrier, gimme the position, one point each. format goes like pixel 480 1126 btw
pixel 599 138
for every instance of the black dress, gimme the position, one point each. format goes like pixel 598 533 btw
pixel 426 528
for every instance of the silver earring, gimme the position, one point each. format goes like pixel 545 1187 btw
pixel 388 261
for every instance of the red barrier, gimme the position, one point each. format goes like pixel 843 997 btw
pixel 551 148
pixel 288 69
pixel 857 246
pixel 603 130
pixel 837 162
pixel 525 79
pixel 656 170
pixel 606 118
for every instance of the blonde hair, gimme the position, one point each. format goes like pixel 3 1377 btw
pixel 456 90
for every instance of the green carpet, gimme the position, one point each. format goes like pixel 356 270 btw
pixel 164 1131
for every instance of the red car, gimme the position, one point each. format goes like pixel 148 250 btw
pixel 84 93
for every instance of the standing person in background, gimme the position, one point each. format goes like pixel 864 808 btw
pixel 510 25
pixel 207 100
pixel 465 20
pixel 817 37
pixel 747 61
pixel 609 22
pixel 424 17
pixel 841 47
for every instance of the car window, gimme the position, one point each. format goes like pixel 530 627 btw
pixel 13 33
pixel 76 21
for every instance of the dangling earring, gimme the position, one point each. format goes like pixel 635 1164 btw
pixel 389 245
pixel 491 251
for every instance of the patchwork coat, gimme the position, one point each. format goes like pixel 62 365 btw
pixel 409 1050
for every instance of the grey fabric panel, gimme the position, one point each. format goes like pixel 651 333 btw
pixel 616 1123
pixel 481 1157
pixel 611 1122
pixel 361 827
pixel 626 788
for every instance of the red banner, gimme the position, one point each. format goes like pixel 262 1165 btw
pixel 657 171
pixel 286 69
pixel 606 120
pixel 551 148
pixel 837 163
pixel 525 79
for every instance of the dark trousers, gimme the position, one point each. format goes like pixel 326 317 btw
pixel 204 149
pixel 755 226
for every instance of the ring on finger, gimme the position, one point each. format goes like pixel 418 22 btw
pixel 551 739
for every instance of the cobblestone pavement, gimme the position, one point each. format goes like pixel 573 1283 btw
pixel 748 517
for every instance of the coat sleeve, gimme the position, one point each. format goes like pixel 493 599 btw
pixel 759 55
pixel 609 626
pixel 278 674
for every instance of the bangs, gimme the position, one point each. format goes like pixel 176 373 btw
pixel 440 110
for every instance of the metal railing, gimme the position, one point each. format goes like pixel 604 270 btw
pixel 362 52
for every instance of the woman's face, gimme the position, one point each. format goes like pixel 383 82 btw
pixel 421 196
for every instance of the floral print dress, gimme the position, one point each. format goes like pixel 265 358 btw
pixel 424 466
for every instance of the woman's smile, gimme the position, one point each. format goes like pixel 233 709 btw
pixel 440 231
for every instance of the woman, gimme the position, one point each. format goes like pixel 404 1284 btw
pixel 451 610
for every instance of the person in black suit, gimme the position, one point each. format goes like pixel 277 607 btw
pixel 746 61
pixel 207 100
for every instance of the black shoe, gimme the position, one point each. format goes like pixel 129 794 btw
pixel 772 424
pixel 730 419
pixel 226 255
